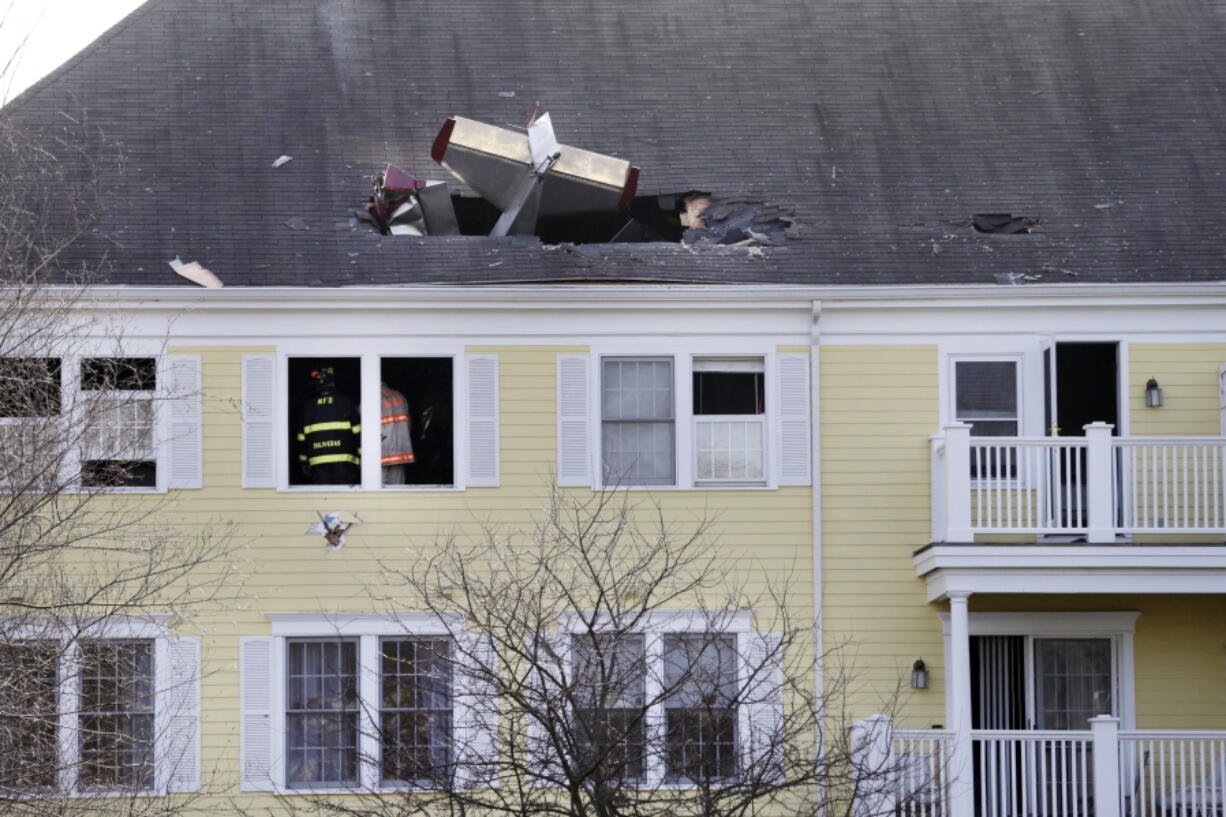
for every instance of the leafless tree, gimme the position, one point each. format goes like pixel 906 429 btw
pixel 606 663
pixel 77 557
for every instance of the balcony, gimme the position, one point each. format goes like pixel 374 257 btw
pixel 1100 772
pixel 1097 488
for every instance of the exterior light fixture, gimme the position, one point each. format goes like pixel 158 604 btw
pixel 919 674
pixel 1153 394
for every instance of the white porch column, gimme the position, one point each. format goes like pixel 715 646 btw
pixel 1106 734
pixel 958 483
pixel 962 783
pixel 1100 475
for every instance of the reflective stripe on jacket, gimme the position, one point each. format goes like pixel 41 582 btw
pixel 397 442
pixel 331 431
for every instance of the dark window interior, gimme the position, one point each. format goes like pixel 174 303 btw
pixel 29 386
pixel 302 388
pixel 426 383
pixel 118 374
pixel 729 393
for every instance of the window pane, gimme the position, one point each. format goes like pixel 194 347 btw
pixel 1072 681
pixel 29 386
pixel 638 453
pixel 415 724
pixel 117 712
pixel 729 450
pixel 637 389
pixel 325 423
pixel 986 389
pixel 416 429
pixel 28 705
pixel 322 712
pixel 610 676
pixel 119 374
pixel 700 707
pixel 729 393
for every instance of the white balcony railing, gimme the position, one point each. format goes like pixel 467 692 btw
pixel 1096 486
pixel 1102 772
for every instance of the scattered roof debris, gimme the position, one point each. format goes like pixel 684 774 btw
pixel 402 204
pixel 297 223
pixel 1048 274
pixel 196 273
pixel 1004 223
pixel 1107 205
pixel 736 221
pixel 280 160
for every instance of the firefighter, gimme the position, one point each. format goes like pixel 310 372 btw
pixel 397 441
pixel 329 438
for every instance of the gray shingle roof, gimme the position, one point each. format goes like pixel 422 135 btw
pixel 884 124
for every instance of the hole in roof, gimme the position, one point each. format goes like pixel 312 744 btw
pixel 1004 223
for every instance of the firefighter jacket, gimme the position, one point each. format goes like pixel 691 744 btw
pixel 397 444
pixel 331 431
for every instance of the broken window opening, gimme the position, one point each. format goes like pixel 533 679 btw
pixel 325 428
pixel 1004 223
pixel 417 430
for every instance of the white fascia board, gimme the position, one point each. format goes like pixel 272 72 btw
pixel 1040 623
pixel 581 295
pixel 1082 582
pixel 1158 558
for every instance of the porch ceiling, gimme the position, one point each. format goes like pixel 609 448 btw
pixel 1022 568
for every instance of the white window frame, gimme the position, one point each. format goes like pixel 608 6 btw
pixel 71 394
pixel 952 398
pixel 759 420
pixel 1118 627
pixel 370 394
pixel 367 629
pixel 153 628
pixel 656 625
pixel 683 416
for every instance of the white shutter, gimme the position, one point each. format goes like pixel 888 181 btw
pixel 552 670
pixel 482 420
pixel 794 440
pixel 761 711
pixel 180 702
pixel 185 447
pixel 256 693
pixel 259 399
pixel 477 712
pixel 574 456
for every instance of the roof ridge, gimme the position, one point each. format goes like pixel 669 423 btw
pixel 55 75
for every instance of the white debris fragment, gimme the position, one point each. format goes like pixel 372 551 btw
pixel 332 527
pixel 282 159
pixel 196 273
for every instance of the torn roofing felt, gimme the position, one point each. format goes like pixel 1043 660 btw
pixel 877 127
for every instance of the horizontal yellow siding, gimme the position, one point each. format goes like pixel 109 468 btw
pixel 1188 375
pixel 764 538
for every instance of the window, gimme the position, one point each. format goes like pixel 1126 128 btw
pixel 119 446
pixel 1073 681
pixel 321 717
pixel 610 675
pixel 700 712
pixel 986 397
pixel 723 417
pixel 367 703
pixel 638 432
pixel 28 715
pixel 116 717
pixel 415 710
pixel 670 705
pixel 100 714
pixel 414 422
pixel 729 420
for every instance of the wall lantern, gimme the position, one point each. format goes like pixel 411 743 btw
pixel 1153 394
pixel 919 674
